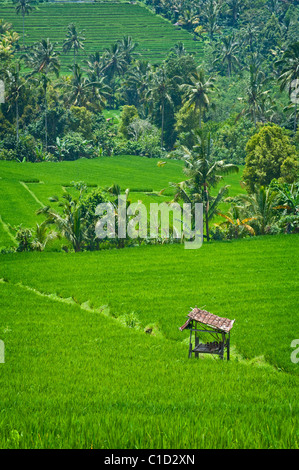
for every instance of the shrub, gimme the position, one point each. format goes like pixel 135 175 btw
pixel 270 155
pixel 129 113
pixel 24 150
pixel 77 147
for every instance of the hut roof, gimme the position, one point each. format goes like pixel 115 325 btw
pixel 209 319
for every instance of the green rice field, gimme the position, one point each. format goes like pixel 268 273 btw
pixel 26 187
pixel 79 373
pixel 94 357
pixel 103 25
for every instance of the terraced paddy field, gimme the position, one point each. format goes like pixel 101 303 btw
pixel 26 187
pixel 103 25
pixel 93 353
pixel 80 371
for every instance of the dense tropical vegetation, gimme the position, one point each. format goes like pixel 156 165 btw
pixel 233 106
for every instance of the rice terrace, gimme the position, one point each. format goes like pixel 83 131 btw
pixel 129 340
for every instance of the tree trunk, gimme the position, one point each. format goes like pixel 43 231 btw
pixel 162 126
pixel 207 212
pixel 23 30
pixel 200 116
pixel 46 121
pixel 295 118
pixel 17 120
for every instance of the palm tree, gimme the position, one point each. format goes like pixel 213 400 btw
pixel 188 19
pixel 114 60
pixel 82 90
pixel 259 205
pixel 234 8
pixel 159 92
pixel 24 7
pixel 203 173
pixel 228 53
pixel 42 236
pixel 211 12
pixel 138 78
pixel 289 75
pixel 197 92
pixel 249 35
pixel 95 66
pixel 15 88
pixel 43 59
pixel 127 47
pixel 68 220
pixel 74 40
pixel 256 95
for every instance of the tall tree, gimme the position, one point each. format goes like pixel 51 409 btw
pixel 227 53
pixel 82 91
pixel 211 11
pixel 256 95
pixel 114 61
pixel 24 8
pixel 159 92
pixel 203 173
pixel 127 47
pixel 197 93
pixel 43 59
pixel 16 84
pixel 289 76
pixel 74 40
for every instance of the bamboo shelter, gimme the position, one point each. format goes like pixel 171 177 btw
pixel 201 321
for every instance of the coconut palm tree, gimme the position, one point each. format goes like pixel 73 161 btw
pixel 114 61
pixel 43 59
pixel 81 91
pixel 24 7
pixel 16 84
pixel 73 40
pixel 159 92
pixel 289 76
pixel 227 53
pixel 256 95
pixel 127 47
pixel 95 66
pixel 68 220
pixel 188 19
pixel 197 93
pixel 204 173
pixel 234 9
pixel 138 78
pixel 211 11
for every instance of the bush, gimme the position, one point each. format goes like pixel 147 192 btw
pixel 77 147
pixel 24 150
pixel 129 113
pixel 270 155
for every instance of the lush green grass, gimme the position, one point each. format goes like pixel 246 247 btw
pixel 28 186
pixel 78 378
pixel 103 24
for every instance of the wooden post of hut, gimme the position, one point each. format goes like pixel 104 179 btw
pixel 201 321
